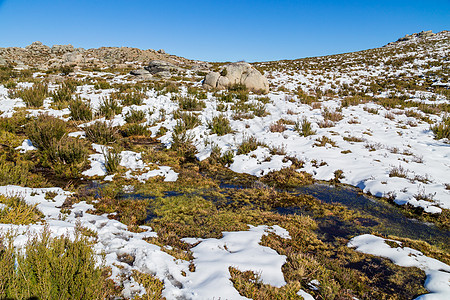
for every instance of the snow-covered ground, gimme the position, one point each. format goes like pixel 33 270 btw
pixel 369 144
pixel 212 257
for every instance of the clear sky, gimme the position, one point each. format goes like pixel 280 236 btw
pixel 221 30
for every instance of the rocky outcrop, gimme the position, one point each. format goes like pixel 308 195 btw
pixel 161 68
pixel 415 36
pixel 237 73
pixel 40 56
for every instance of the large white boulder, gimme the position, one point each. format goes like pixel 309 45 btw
pixel 237 73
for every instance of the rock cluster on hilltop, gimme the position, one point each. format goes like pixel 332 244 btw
pixel 237 73
pixel 416 36
pixel 38 55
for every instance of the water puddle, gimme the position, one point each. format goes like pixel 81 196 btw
pixel 392 220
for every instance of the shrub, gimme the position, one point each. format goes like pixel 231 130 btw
pixel 68 157
pixel 259 110
pixel 34 96
pixel 153 286
pixel 248 145
pixel 62 96
pixel 398 172
pixel 134 130
pixel 52 268
pixel 101 132
pixel 183 143
pixel 304 127
pixel 18 212
pixel 321 142
pixel 191 103
pixel 79 110
pixel 334 116
pixel 109 108
pixel 129 97
pixel 102 85
pixel 277 127
pixel 112 160
pixel 45 131
pixel 135 116
pixel 220 125
pixel 190 120
pixel 442 129
pixel 19 173
pixel 224 159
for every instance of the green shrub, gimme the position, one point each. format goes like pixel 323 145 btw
pixel 102 85
pixel 442 129
pixel 52 268
pixel 135 116
pixel 34 96
pixel 109 108
pixel 20 173
pixel 134 130
pixel 79 110
pixel 259 110
pixel 248 145
pixel 112 160
pixel 15 123
pixel 45 131
pixel 225 159
pixel 191 103
pixel 130 96
pixel 220 125
pixel 62 96
pixel 304 127
pixel 68 157
pixel 190 120
pixel 182 142
pixel 18 212
pixel 101 132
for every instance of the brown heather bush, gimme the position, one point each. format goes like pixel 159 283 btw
pixel 277 127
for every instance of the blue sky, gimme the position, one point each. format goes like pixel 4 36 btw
pixel 221 30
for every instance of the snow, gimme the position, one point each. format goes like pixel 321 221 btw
pixel 305 295
pixel 241 250
pixel 212 257
pixel 130 160
pixel 438 273
pixel 27 145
